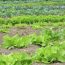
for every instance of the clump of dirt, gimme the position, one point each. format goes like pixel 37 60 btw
pixel 23 31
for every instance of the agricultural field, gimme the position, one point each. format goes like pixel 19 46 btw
pixel 32 32
pixel 31 7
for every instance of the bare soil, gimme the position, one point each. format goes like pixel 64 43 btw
pixel 30 50
pixel 23 31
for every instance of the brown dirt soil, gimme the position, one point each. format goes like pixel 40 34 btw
pixel 31 49
pixel 23 31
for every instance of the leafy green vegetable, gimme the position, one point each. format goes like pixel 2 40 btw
pixel 50 54
pixel 16 41
pixel 17 58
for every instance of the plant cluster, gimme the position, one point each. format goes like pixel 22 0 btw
pixel 19 58
pixel 47 37
pixel 28 19
pixel 5 28
pixel 50 54
pixel 54 48
pixel 16 41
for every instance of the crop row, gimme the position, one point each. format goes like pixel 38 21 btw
pixel 32 19
pixel 39 25
pixel 47 37
pixel 10 11
pixel 34 0
pixel 30 4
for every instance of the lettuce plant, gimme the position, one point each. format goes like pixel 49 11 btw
pixel 50 54
pixel 15 59
pixel 16 41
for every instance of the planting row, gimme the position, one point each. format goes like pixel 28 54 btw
pixel 30 4
pixel 47 37
pixel 28 19
pixel 50 54
pixel 10 11
pixel 5 28
pixel 32 0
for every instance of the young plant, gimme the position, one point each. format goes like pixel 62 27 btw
pixel 16 41
pixel 18 58
pixel 50 54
